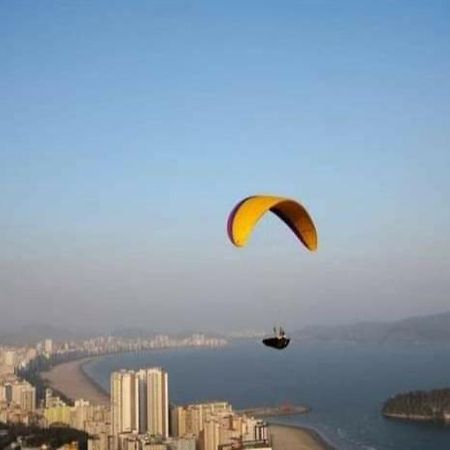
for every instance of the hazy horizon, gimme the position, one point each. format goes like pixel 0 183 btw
pixel 128 133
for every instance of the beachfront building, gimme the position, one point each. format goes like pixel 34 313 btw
pixel 81 416
pixel 20 394
pixel 215 426
pixel 17 400
pixel 189 419
pixel 24 395
pixel 51 400
pixel 140 402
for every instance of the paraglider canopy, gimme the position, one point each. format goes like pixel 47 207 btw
pixel 245 215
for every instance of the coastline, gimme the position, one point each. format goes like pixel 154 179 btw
pixel 70 379
pixel 297 437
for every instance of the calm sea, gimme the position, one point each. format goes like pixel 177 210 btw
pixel 344 384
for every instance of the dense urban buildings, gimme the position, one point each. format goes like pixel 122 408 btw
pixel 139 416
pixel 17 400
pixel 215 425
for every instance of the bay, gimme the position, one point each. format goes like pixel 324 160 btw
pixel 345 384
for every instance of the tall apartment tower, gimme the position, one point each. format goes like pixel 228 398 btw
pixel 155 388
pixel 48 346
pixel 23 394
pixel 123 402
pixel 140 402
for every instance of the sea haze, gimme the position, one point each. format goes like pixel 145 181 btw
pixel 344 383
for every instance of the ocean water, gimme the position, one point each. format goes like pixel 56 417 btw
pixel 344 384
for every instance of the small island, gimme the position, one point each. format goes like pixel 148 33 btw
pixel 423 406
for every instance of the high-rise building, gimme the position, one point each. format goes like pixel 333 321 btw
pixel 155 417
pixel 28 398
pixel 123 402
pixel 140 402
pixel 187 420
pixel 9 361
pixel 22 394
pixel 48 346
pixel 215 426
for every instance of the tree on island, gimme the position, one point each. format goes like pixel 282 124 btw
pixel 421 405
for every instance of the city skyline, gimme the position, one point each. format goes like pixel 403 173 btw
pixel 132 415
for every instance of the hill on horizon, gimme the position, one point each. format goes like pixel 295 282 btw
pixel 417 329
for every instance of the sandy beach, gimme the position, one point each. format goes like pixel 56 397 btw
pixel 286 437
pixel 70 379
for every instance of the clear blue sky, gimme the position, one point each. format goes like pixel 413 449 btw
pixel 129 129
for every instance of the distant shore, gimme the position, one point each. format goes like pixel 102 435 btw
pixel 70 379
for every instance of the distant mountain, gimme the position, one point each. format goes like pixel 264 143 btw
pixel 433 328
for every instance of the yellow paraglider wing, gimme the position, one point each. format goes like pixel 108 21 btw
pixel 245 215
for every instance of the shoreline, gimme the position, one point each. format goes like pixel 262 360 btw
pixel 94 383
pixel 297 437
pixel 70 379
pixel 415 418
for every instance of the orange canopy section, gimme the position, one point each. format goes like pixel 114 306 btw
pixel 247 213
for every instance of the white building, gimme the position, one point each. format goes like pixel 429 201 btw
pixel 48 346
pixel 140 402
pixel 153 384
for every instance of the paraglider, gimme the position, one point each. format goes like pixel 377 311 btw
pixel 243 219
pixel 280 341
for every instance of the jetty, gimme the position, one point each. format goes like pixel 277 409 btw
pixel 275 411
